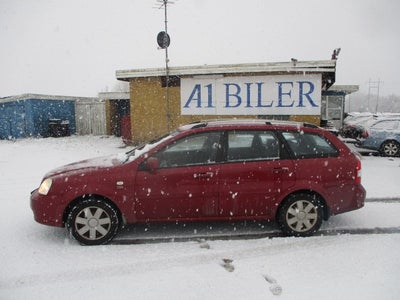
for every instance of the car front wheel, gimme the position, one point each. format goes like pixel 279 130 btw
pixel 93 222
pixel 300 215
pixel 390 148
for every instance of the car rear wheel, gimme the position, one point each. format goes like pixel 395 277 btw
pixel 300 215
pixel 93 222
pixel 390 148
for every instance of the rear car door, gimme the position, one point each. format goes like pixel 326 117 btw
pixel 319 167
pixel 253 175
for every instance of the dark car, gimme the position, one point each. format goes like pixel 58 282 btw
pixel 383 136
pixel 355 126
pixel 294 173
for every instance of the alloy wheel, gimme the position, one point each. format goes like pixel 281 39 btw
pixel 301 216
pixel 93 223
pixel 390 149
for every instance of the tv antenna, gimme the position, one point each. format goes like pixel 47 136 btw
pixel 163 41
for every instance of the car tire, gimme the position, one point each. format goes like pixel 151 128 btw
pixel 390 149
pixel 300 215
pixel 93 222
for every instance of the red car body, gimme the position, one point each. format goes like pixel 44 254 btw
pixel 141 189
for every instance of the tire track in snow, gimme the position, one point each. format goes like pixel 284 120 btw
pixel 383 200
pixel 212 256
pixel 256 235
pixel 205 256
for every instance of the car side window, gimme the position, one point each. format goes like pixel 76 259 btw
pixel 196 149
pixel 252 145
pixel 309 145
pixel 385 125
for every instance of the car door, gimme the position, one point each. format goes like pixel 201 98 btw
pixel 185 184
pixel 254 174
pixel 382 131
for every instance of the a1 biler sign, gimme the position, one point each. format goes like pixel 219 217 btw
pixel 252 95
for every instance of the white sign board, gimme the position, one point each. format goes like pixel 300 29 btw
pixel 253 95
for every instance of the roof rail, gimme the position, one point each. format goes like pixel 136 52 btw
pixel 205 123
pixel 199 124
pixel 310 125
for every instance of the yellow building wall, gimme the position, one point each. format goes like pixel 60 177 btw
pixel 153 116
pixel 306 119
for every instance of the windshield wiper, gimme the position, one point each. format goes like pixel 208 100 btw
pixel 132 152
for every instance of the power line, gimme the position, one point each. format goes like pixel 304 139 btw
pixel 374 85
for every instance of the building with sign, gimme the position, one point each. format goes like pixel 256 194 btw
pixel 161 100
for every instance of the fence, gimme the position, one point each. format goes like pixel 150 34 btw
pixel 90 118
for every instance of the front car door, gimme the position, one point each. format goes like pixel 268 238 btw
pixel 185 185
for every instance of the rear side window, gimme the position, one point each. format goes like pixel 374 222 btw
pixel 385 125
pixel 308 145
pixel 252 145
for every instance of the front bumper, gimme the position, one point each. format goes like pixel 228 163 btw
pixel 45 210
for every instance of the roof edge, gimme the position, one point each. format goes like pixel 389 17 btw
pixel 321 66
pixel 23 97
pixel 114 95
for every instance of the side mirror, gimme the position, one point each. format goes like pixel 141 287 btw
pixel 152 163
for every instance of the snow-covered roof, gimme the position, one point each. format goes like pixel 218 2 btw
pixel 324 66
pixel 345 89
pixel 44 97
pixel 114 95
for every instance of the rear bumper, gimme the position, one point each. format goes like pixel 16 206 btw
pixel 360 195
pixel 355 201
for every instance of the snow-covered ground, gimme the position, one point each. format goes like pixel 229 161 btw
pixel 40 262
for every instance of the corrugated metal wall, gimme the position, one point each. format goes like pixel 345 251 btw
pixel 12 120
pixel 90 118
pixel 28 116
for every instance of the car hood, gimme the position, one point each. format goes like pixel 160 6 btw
pixel 88 165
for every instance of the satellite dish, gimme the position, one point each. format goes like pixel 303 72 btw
pixel 163 40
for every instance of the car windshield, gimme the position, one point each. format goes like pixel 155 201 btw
pixel 143 148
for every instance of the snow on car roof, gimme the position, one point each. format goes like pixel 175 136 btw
pixel 241 122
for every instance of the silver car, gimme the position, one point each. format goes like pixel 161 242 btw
pixel 383 136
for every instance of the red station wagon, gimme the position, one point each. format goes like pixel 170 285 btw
pixel 294 173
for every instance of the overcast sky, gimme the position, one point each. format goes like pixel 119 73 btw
pixel 74 47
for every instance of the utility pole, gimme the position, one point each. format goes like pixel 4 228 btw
pixel 374 85
pixel 163 41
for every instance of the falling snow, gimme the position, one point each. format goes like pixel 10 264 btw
pixel 43 262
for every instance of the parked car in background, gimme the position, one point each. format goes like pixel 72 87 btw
pixel 382 136
pixel 297 174
pixel 354 125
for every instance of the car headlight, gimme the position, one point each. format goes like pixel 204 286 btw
pixel 45 186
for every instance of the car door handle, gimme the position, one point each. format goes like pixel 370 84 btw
pixel 204 175
pixel 280 170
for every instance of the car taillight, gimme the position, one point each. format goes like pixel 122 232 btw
pixel 358 171
pixel 365 134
